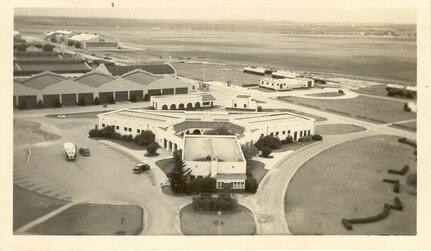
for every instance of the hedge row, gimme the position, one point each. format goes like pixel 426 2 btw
pixel 396 184
pixel 214 204
pixel 344 113
pixel 347 223
pixel 407 142
pixel 402 172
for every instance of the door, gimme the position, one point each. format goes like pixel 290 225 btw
pixel 68 99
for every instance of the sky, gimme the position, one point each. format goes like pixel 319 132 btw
pixel 382 11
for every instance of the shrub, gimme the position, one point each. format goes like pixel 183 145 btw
pixel 407 108
pixel 81 102
pixel 152 148
pixel 251 185
pixel 39 104
pixel 306 138
pixel 266 151
pixel 289 139
pixel 145 138
pixel 177 155
pixel 249 151
pixel 146 97
pixel 96 101
pixel 317 137
pixel 127 138
pixel 268 141
pixel 202 185
pixel 412 180
pixel 178 178
pixel 259 108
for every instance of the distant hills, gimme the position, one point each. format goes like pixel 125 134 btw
pixel 287 27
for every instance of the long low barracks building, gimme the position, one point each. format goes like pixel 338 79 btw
pixel 50 88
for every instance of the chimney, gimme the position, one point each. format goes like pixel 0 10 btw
pixel 214 166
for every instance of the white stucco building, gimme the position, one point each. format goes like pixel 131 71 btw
pixel 243 102
pixel 219 157
pixel 286 84
pixel 182 101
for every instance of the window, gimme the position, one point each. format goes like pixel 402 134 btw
pixel 309 132
pixel 284 132
pixel 288 132
pixel 103 125
pixel 130 129
pixel 117 127
pixel 245 105
pixel 300 134
pixel 138 131
pixel 125 129
pixel 206 103
pixel 231 185
pixel 276 134
pixel 272 134
pixel 234 104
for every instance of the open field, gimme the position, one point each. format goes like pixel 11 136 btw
pixel 240 222
pixel 338 129
pixel 91 219
pixel 369 57
pixel 29 206
pixel 411 126
pixel 373 109
pixel 338 183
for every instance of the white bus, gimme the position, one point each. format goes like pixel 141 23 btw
pixel 69 151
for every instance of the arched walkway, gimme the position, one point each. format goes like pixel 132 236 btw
pixel 164 107
pixel 189 106
pixel 197 105
pixel 197 132
pixel 181 107
pixel 173 107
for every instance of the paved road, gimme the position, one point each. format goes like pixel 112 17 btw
pixel 104 177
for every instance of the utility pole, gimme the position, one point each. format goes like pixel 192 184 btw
pixel 203 74
pixel 219 215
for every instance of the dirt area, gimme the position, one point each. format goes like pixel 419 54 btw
pixel 28 132
pixel 90 219
pixel 338 129
pixel 29 206
pixel 372 109
pixel 338 183
pixel 240 222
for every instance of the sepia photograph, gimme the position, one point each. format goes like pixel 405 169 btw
pixel 202 119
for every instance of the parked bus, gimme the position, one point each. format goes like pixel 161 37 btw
pixel 69 151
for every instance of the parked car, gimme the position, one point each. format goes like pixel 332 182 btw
pixel 84 151
pixel 165 184
pixel 140 168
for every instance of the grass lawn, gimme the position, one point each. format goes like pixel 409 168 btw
pixel 91 219
pixel 29 206
pixel 293 146
pixel 338 183
pixel 338 129
pixel 240 222
pixel 411 126
pixel 257 169
pixel 325 94
pixel 87 115
pixel 166 165
pixel 30 132
pixel 374 109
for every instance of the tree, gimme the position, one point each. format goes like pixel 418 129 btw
pixel 81 102
pixel 96 101
pixel 146 97
pixel 111 100
pixel 268 141
pixel 145 138
pixel 152 148
pixel 176 177
pixel 133 98
pixel 266 151
pixel 407 108
pixel 251 185
pixel 221 130
pixel 289 139
pixel 317 137
pixel 249 151
pixel 177 155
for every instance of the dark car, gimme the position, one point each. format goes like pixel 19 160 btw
pixel 84 151
pixel 140 168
